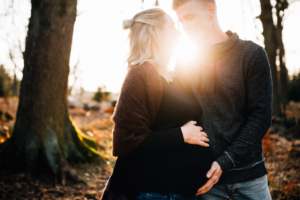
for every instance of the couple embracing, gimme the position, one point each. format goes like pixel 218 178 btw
pixel 195 132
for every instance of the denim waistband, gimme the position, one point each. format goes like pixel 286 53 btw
pixel 157 196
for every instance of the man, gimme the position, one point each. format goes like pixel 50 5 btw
pixel 232 82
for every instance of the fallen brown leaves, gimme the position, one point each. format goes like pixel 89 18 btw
pixel 282 158
pixel 22 186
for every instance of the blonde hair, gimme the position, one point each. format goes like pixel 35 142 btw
pixel 146 40
pixel 178 3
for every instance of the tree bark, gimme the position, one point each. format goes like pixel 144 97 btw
pixel 281 5
pixel 44 138
pixel 269 33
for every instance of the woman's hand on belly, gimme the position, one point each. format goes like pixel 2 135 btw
pixel 193 134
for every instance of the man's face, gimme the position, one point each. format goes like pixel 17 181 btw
pixel 194 16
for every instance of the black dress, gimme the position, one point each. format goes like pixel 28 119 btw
pixel 164 163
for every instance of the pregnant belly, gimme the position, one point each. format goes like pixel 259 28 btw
pixel 185 166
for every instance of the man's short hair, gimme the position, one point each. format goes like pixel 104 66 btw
pixel 178 3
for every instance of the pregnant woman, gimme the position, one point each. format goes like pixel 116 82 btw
pixel 162 151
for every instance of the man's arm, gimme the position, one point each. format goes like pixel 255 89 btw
pixel 259 111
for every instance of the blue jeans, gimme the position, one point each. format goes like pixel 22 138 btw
pixel 256 189
pixel 156 196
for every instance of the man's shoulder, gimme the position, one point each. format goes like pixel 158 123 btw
pixel 248 46
pixel 248 50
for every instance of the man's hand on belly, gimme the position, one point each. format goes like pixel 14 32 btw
pixel 214 175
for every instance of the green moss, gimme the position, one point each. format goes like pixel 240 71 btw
pixel 87 145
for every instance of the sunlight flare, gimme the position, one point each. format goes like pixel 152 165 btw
pixel 186 48
pixel 185 51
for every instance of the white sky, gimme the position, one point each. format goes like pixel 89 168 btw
pixel 99 42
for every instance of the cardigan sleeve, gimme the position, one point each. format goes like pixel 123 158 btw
pixel 131 116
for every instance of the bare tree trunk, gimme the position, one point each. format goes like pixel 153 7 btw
pixel 156 3
pixel 44 137
pixel 14 84
pixel 143 4
pixel 269 33
pixel 75 77
pixel 281 5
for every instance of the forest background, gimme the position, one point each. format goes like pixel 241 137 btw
pixel 55 127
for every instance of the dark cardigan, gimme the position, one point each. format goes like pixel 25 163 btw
pixel 137 107
pixel 136 110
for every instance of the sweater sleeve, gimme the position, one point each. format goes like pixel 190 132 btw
pixel 259 111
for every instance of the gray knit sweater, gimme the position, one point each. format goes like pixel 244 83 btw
pixel 232 83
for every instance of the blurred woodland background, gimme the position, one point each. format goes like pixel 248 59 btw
pixel 62 63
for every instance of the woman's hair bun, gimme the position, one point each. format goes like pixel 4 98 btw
pixel 127 24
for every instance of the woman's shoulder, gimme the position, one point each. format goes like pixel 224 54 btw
pixel 144 73
pixel 142 77
pixel 143 69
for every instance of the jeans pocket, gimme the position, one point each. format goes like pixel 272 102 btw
pixel 257 182
pixel 254 189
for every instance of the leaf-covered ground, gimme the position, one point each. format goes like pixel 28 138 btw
pixel 282 158
pixel 281 152
pixel 22 186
